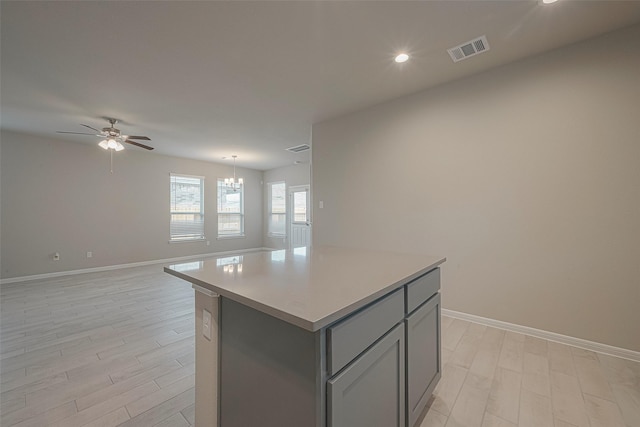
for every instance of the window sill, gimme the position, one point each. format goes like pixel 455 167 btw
pixel 231 236
pixel 204 239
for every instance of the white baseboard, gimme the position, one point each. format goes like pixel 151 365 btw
pixel 120 266
pixel 551 336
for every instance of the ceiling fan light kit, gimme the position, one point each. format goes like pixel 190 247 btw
pixel 111 144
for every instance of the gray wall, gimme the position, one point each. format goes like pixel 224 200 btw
pixel 526 177
pixel 59 196
pixel 292 175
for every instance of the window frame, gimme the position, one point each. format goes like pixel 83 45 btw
pixel 235 235
pixel 270 212
pixel 177 238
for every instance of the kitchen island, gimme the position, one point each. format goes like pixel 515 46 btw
pixel 323 337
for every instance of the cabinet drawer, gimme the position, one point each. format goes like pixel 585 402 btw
pixel 423 288
pixel 351 336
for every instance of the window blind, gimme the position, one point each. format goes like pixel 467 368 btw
pixel 187 207
pixel 230 210
pixel 277 209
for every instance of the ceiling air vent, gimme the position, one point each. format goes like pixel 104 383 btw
pixel 468 49
pixel 299 148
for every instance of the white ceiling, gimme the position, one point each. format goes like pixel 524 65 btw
pixel 209 79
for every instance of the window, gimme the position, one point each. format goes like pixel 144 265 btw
pixel 187 208
pixel 301 206
pixel 230 210
pixel 277 210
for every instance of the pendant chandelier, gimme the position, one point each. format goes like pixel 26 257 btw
pixel 234 183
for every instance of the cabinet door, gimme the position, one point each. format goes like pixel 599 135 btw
pixel 423 356
pixel 370 392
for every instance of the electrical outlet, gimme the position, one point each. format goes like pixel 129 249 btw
pixel 56 256
pixel 89 254
pixel 206 324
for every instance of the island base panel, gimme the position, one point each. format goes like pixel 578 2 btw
pixel 268 370
pixel 206 400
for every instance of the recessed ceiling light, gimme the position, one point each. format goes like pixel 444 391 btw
pixel 549 1
pixel 403 57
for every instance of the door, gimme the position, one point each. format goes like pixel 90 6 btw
pixel 423 356
pixel 300 217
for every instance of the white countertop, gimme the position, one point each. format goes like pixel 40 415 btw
pixel 309 288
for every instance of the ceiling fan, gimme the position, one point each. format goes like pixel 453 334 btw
pixel 112 137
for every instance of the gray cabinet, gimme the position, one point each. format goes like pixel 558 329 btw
pixel 366 369
pixel 375 367
pixel 370 392
pixel 423 356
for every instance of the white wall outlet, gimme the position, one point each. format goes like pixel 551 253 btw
pixel 56 256
pixel 206 324
pixel 208 243
pixel 321 204
pixel 89 254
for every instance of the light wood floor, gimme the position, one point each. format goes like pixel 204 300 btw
pixel 493 378
pixel 107 349
pixel 117 349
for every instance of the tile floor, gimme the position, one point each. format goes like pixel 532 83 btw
pixel 117 349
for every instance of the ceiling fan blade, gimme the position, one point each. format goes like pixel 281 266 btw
pixel 146 147
pixel 92 128
pixel 146 138
pixel 78 133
